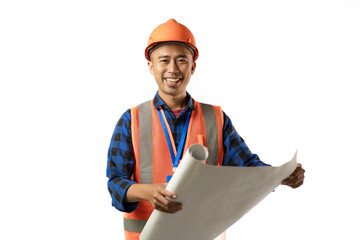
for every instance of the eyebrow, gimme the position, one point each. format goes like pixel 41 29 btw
pixel 164 56
pixel 167 56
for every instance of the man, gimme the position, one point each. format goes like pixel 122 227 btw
pixel 149 139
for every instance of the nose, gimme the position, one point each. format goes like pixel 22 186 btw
pixel 172 67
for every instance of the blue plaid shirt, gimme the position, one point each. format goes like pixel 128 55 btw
pixel 120 162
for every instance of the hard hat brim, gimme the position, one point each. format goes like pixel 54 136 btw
pixel 152 47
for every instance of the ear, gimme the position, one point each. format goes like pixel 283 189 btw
pixel 151 67
pixel 193 67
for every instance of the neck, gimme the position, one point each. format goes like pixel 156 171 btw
pixel 174 102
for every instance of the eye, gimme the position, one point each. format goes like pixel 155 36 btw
pixel 182 60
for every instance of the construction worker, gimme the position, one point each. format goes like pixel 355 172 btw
pixel 149 139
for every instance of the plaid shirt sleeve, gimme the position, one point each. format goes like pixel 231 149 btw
pixel 236 152
pixel 120 164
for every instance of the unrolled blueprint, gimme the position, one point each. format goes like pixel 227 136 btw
pixel 213 197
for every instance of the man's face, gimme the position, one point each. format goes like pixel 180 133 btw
pixel 172 66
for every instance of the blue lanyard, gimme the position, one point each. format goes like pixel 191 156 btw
pixel 175 159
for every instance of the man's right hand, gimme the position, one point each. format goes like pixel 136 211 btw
pixel 155 194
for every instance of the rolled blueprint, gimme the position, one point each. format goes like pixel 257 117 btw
pixel 213 197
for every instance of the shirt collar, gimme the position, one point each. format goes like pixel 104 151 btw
pixel 158 102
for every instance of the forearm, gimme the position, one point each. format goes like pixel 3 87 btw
pixel 135 193
pixel 140 192
pixel 155 194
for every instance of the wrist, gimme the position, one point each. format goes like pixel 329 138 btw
pixel 134 193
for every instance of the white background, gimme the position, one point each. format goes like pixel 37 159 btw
pixel 285 72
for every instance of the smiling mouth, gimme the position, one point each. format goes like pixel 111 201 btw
pixel 172 80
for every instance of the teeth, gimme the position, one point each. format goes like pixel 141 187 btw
pixel 172 79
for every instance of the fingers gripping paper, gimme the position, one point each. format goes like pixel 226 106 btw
pixel 213 197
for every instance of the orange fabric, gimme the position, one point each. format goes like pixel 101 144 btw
pixel 169 132
pixel 201 140
pixel 131 235
pixel 142 212
pixel 162 164
pixel 196 127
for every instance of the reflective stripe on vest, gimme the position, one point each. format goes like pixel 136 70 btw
pixel 153 161
pixel 211 130
pixel 134 225
pixel 145 133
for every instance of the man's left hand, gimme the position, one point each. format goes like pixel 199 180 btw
pixel 296 179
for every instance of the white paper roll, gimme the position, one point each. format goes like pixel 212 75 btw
pixel 213 197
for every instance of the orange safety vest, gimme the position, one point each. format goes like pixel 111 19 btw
pixel 153 161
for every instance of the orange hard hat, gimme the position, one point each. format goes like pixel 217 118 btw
pixel 172 31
